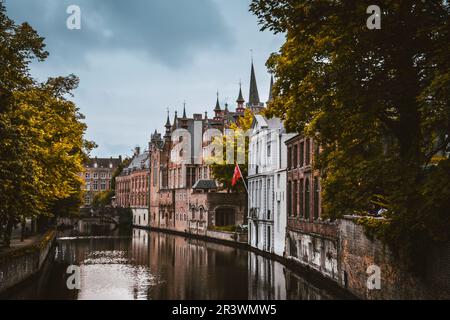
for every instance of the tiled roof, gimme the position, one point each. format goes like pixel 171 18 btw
pixel 205 184
pixel 103 162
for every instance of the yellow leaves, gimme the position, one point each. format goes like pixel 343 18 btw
pixel 50 157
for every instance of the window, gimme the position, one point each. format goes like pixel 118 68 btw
pixel 308 152
pixel 88 186
pixel 155 173
pixel 95 185
pixel 103 175
pixel 95 175
pixel 289 159
pixel 103 185
pixel 316 197
pixel 268 150
pixel 289 199
pixel 295 164
pixel 295 201
pixel 88 175
pixel 278 180
pixel 307 197
pixel 301 195
pixel 302 154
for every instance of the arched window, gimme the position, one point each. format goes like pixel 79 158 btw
pixel 307 198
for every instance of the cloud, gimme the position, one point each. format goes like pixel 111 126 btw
pixel 171 32
pixel 137 58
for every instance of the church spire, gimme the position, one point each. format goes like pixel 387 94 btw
pixel 253 96
pixel 175 119
pixel 168 125
pixel 270 89
pixel 217 108
pixel 240 98
pixel 184 110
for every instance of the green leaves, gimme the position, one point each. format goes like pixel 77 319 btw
pixel 377 101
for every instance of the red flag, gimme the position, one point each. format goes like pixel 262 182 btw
pixel 236 175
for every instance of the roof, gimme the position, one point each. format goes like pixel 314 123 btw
pixel 217 108
pixel 139 162
pixel 297 136
pixel 270 89
pixel 253 96
pixel 110 163
pixel 205 184
pixel 240 98
pixel 261 122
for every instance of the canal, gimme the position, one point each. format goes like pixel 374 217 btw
pixel 142 264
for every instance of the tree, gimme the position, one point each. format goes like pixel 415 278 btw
pixel 378 102
pixel 41 133
pixel 222 171
pixel 102 199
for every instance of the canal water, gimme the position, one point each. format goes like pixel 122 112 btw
pixel 142 264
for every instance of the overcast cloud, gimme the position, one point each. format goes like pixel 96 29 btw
pixel 137 58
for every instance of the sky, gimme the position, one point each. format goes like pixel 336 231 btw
pixel 138 58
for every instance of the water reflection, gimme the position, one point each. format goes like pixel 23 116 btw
pixel 152 265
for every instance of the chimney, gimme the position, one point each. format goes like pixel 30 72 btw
pixel 137 150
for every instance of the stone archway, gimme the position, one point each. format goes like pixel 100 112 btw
pixel 225 216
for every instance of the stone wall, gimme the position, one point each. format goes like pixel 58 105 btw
pixel 358 253
pixel 18 265
pixel 315 251
pixel 342 252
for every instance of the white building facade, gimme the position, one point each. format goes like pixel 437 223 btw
pixel 267 185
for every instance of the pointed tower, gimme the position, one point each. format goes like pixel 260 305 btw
pixel 253 95
pixel 270 89
pixel 240 100
pixel 217 109
pixel 175 121
pixel 167 126
pixel 184 110
pixel 184 119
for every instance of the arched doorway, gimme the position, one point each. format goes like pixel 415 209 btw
pixel 225 216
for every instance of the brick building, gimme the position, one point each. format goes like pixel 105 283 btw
pixel 310 240
pixel 132 187
pixel 181 185
pixel 98 176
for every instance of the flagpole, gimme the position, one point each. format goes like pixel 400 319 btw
pixel 242 177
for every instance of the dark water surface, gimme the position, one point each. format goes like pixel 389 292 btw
pixel 141 264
